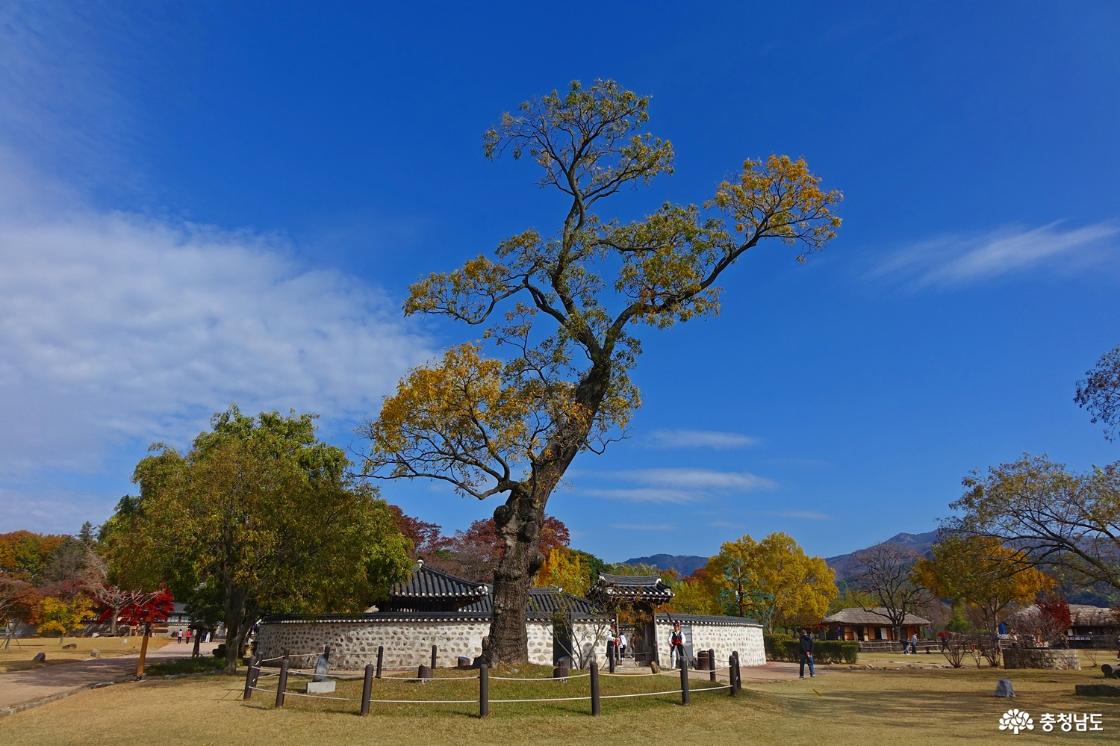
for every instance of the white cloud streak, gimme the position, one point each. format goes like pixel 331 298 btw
pixel 953 261
pixel 669 485
pixel 117 327
pixel 712 439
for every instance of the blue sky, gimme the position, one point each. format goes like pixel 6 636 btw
pixel 202 204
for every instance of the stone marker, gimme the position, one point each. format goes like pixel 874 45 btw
pixel 654 668
pixel 1108 671
pixel 1004 688
pixel 70 646
pixel 94 653
pixel 40 657
pixel 463 662
pixel 319 683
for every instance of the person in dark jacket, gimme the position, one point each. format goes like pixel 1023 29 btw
pixel 806 653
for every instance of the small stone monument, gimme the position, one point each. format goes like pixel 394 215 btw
pixel 40 657
pixel 319 683
pixel 1004 688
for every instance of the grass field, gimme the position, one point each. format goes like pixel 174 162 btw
pixel 840 706
pixel 18 656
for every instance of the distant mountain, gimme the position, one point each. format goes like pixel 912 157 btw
pixel 847 566
pixel 683 564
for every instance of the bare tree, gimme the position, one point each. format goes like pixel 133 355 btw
pixel 885 572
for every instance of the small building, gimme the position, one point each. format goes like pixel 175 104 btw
pixel 1090 626
pixel 864 625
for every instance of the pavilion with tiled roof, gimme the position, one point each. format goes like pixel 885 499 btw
pixel 429 589
pixel 612 590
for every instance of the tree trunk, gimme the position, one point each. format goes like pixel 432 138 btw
pixel 518 522
pixel 235 627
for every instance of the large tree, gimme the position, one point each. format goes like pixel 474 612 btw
pixel 774 581
pixel 261 516
pixel 981 572
pixel 1060 520
pixel 564 307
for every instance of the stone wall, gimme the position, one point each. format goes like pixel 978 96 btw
pixel 723 637
pixel 1064 660
pixel 407 643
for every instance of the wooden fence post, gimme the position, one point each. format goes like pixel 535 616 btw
pixel 483 690
pixel 367 689
pixel 434 651
pixel 731 672
pixel 250 678
pixel 282 682
pixel 380 657
pixel 738 673
pixel 684 680
pixel 594 688
pixel 711 664
pixel 610 655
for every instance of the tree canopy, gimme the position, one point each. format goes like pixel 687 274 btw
pixel 1099 392
pixel 259 516
pixel 561 310
pixel 1058 519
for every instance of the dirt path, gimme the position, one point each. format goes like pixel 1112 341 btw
pixel 22 688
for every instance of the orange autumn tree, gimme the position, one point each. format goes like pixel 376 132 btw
pixel 561 312
pixel 981 572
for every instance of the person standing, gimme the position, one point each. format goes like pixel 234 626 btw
pixel 179 636
pixel 914 644
pixel 806 646
pixel 622 643
pixel 676 645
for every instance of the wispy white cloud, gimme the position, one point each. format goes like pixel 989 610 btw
pixel 957 260
pixel 116 326
pixel 644 526
pixel 805 515
pixel 666 485
pixel 714 439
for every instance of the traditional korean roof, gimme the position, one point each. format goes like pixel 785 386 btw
pixel 430 583
pixel 623 588
pixel 704 619
pixel 543 603
pixel 1081 615
pixel 878 616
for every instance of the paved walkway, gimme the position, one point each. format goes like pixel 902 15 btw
pixel 21 688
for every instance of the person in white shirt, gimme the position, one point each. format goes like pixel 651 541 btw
pixel 622 643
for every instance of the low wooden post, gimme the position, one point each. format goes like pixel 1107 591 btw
pixel 367 689
pixel 197 643
pixel 684 680
pixel 483 690
pixel 282 682
pixel 731 673
pixel 434 651
pixel 594 688
pixel 738 673
pixel 610 656
pixel 380 658
pixel 147 631
pixel 711 664
pixel 251 677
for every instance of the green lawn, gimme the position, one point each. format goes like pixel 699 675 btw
pixel 840 706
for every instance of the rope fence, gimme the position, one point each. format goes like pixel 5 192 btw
pixel 483 677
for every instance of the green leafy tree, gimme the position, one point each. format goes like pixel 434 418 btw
pixel 261 515
pixel 1099 393
pixel 571 304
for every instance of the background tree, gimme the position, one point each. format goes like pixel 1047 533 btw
pixel 262 515
pixel 775 581
pixel 563 568
pixel 886 572
pixel 18 603
pixel 850 596
pixel 572 301
pixel 1061 521
pixel 1099 392
pixel 699 593
pixel 61 616
pixel 981 572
